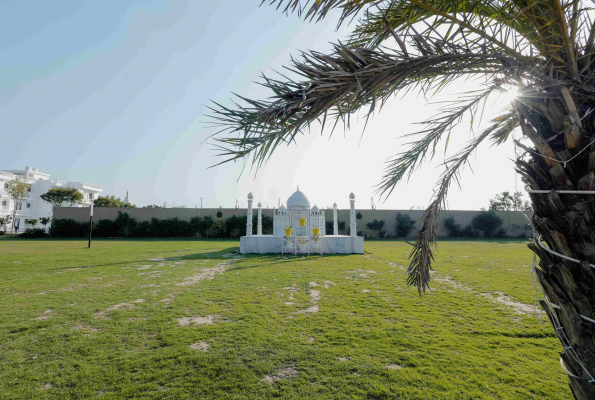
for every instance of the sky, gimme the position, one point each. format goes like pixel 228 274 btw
pixel 114 93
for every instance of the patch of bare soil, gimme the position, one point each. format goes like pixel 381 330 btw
pixel 47 314
pixel 310 340
pixel 311 310
pixel 208 320
pixel 343 359
pixel 449 281
pixel 328 284
pixel 313 284
pixel 47 386
pixel 314 296
pixel 517 307
pixel 365 290
pixel 141 267
pixel 119 306
pixel 200 346
pixel 206 273
pixel 394 366
pixel 280 374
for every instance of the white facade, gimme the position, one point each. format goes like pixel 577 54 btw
pixel 34 207
pixel 298 205
pixel 302 240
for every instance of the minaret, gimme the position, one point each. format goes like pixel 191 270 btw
pixel 352 225
pixel 335 224
pixel 259 226
pixel 127 198
pixel 249 215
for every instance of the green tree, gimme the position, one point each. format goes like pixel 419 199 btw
pixel 507 202
pixel 18 189
pixel 4 222
pixel 153 206
pixel 111 201
pixel 31 222
pixel 45 221
pixel 543 50
pixel 59 195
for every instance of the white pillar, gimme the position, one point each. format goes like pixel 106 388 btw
pixel 335 224
pixel 249 215
pixel 259 226
pixel 352 224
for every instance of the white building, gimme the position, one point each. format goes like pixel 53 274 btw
pixel 34 207
pixel 298 206
pixel 311 237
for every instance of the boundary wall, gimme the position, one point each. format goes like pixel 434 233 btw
pixel 514 223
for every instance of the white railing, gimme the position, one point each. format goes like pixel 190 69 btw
pixel 6 174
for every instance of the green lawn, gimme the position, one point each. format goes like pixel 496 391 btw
pixel 186 319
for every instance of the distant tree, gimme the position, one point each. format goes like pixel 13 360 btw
pixel 59 195
pixel 507 202
pixel 153 206
pixel 111 201
pixel 4 222
pixel 18 189
pixel 31 222
pixel 44 221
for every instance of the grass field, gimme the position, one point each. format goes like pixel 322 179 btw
pixel 186 319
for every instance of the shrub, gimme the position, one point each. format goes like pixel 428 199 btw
pixel 33 233
pixel 404 225
pixel 469 232
pixel 487 222
pixel 1 233
pixel 454 229
pixel 377 226
pixel 126 226
pixel 69 228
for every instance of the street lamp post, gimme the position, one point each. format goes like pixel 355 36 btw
pixel 90 224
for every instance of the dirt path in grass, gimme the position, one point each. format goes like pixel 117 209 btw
pixel 206 273
pixel 497 297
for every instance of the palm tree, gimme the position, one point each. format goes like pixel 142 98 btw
pixel 543 48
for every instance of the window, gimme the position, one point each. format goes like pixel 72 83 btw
pixel 29 189
pixel 90 196
pixel 28 205
pixel 3 203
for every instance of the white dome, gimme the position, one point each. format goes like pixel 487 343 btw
pixel 282 208
pixel 298 199
pixel 314 208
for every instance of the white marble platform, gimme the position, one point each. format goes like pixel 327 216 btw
pixel 331 244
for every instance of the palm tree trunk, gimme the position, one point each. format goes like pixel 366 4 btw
pixel 566 223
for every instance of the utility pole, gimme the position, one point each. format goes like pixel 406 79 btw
pixel 90 224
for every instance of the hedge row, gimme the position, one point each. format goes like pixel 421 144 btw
pixel 126 226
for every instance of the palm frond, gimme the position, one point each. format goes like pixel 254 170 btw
pixel 418 272
pixel 336 86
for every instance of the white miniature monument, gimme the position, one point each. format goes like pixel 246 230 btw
pixel 299 227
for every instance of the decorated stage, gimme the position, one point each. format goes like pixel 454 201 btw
pixel 331 244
